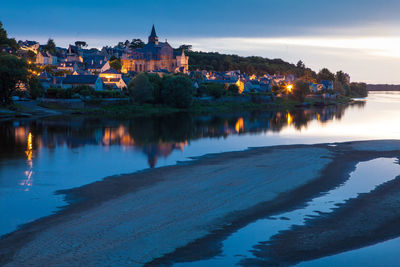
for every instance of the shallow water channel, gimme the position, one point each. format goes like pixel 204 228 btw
pixel 366 177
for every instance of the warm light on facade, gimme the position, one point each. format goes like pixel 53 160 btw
pixel 289 88
pixel 240 84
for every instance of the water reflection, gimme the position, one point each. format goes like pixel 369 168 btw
pixel 156 136
pixel 27 181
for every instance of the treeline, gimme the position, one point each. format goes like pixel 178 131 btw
pixel 249 65
pixel 383 87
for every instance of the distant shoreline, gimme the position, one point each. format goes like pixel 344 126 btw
pixel 157 215
pixel 383 87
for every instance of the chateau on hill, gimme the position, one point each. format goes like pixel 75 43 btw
pixel 155 56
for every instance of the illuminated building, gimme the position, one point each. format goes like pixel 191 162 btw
pixel 155 56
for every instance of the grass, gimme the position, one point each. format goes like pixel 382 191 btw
pixel 53 106
pixel 133 110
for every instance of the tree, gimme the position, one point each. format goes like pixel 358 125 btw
pixel 31 56
pixel 12 71
pixel 358 90
pixel 35 88
pixel 3 35
pixel 178 91
pixel 51 46
pixel 81 44
pixel 250 69
pixel 5 41
pixel 198 76
pixel 301 89
pixel 136 43
pixel 215 90
pixel 156 82
pixel 140 89
pixel 116 64
pixel 325 74
pixel 186 48
pixel 300 65
pixel 338 87
pixel 309 76
pixel 341 77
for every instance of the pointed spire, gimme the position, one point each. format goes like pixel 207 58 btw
pixel 153 32
pixel 153 38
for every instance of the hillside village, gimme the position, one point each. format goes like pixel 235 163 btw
pixel 80 72
pixel 154 57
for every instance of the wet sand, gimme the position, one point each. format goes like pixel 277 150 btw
pixel 161 215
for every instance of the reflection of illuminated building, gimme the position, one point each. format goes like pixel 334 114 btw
pixel 118 136
pixel 27 181
pixel 154 136
pixel 239 127
pixel 289 119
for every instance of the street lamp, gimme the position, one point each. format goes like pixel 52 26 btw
pixel 289 88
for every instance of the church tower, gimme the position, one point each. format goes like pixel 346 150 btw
pixel 153 38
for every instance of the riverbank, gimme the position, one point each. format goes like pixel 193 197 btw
pixel 142 217
pixel 38 109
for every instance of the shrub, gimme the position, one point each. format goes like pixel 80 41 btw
pixel 84 90
pixel 215 89
pixel 301 89
pixel 35 88
pixel 233 89
pixel 55 93
pixel 140 89
pixel 178 91
pixel 202 90
pixel 108 94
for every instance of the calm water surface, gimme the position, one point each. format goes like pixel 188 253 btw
pixel 39 157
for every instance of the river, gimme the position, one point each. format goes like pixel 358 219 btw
pixel 40 157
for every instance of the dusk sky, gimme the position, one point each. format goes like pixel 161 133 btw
pixel 361 37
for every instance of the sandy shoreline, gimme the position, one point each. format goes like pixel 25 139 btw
pixel 155 216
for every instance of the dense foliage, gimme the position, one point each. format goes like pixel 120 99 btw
pixel 35 88
pixel 134 44
pixel 358 90
pixel 233 89
pixel 12 72
pixel 140 89
pixel 5 41
pixel 50 47
pixel 177 91
pixel 249 65
pixel 301 89
pixel 116 64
